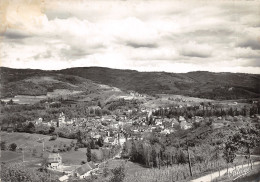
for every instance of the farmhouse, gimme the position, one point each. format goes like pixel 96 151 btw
pixel 54 161
pixel 84 170
pixel 184 125
pixel 110 140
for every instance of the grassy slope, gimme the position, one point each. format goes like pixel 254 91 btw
pixel 30 141
pixel 38 82
pixel 7 156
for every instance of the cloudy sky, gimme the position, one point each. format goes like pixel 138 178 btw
pixel 144 35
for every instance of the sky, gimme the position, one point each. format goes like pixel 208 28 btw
pixel 144 35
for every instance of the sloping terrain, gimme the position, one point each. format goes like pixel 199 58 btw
pixel 37 82
pixel 197 84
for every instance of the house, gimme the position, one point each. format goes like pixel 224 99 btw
pixel 69 122
pixel 54 160
pixel 158 122
pixel 198 119
pixel 122 140
pixel 54 123
pixel 115 125
pixel 84 170
pixel 64 178
pixel 38 121
pixel 184 125
pixel 61 118
pixel 107 118
pixel 174 122
pixel 165 131
pixel 96 136
pixel 181 118
pixel 121 123
pixel 217 125
pixel 111 140
pixel 46 123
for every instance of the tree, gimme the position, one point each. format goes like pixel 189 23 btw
pixel 216 156
pixel 10 102
pixel 105 171
pixel 12 147
pixel 229 151
pixel 88 153
pixel 79 136
pixel 134 154
pixel 180 157
pixel 248 138
pixel 118 174
pixel 3 145
pixel 154 157
pixel 20 173
pixel 51 130
pixel 92 144
pixel 30 128
pixel 100 141
pixel 94 157
pixel 99 104
pixel 34 152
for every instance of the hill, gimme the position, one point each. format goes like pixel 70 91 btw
pixel 197 84
pixel 37 82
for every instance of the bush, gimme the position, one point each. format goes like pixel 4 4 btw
pixel 18 173
pixel 12 147
pixel 3 145
pixel 118 174
pixel 53 138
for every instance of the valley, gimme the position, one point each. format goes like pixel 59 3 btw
pixel 98 122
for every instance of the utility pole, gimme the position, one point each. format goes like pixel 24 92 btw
pixel 189 157
pixel 23 155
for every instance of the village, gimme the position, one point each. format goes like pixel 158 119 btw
pixel 104 136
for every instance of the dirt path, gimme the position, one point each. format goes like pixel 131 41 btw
pixel 210 177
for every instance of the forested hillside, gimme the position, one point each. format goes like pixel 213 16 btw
pixel 198 84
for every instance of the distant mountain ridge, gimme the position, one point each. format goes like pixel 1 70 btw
pixel 198 84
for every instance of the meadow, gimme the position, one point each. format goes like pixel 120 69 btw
pixel 10 156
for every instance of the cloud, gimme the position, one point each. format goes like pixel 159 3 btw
pixel 138 45
pixel 177 36
pixel 253 43
pixel 16 34
pixel 193 49
pixel 73 53
pixel 44 55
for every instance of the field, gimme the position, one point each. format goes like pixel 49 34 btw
pixel 166 100
pixel 74 157
pixel 31 141
pixel 28 99
pixel 130 167
pixel 9 156
pixel 25 99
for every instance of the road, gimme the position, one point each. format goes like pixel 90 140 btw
pixel 210 177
